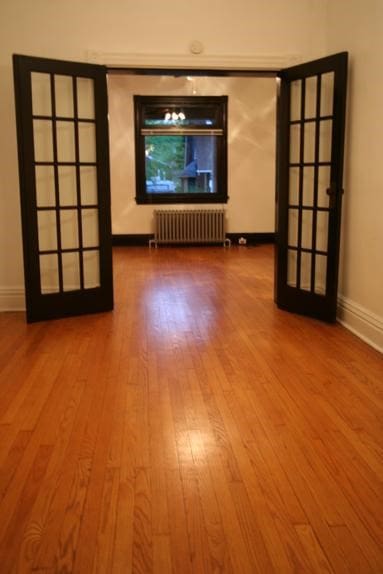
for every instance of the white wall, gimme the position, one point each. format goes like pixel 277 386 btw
pixel 70 29
pixel 251 148
pixel 357 27
pixel 245 28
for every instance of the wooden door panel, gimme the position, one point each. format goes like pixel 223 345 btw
pixel 311 123
pixel 62 128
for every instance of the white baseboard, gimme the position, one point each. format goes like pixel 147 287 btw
pixel 366 325
pixel 12 299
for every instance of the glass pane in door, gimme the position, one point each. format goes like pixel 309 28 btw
pixel 305 277
pixel 309 147
pixel 87 142
pixel 292 267
pixel 307 229
pixel 67 185
pixel 293 227
pixel 295 100
pixel 69 229
pixel 66 147
pixel 43 140
pixel 85 98
pixel 322 231
pixel 91 269
pixel 323 185
pixel 90 236
pixel 295 145
pixel 88 179
pixel 325 134
pixel 47 230
pixel 327 94
pixel 45 186
pixel 64 96
pixel 41 94
pixel 49 274
pixel 310 97
pixel 71 271
pixel 308 186
pixel 294 186
pixel 320 274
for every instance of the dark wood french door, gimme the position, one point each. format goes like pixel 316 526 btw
pixel 62 129
pixel 310 142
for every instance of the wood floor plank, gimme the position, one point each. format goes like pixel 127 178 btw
pixel 197 429
pixel 13 536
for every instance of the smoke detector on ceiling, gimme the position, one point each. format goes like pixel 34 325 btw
pixel 196 47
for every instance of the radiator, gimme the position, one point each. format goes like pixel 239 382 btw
pixel 189 226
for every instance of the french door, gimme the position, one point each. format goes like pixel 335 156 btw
pixel 62 129
pixel 310 142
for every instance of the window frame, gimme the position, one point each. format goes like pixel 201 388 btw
pixel 140 104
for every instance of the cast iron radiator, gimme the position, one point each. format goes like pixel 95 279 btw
pixel 189 226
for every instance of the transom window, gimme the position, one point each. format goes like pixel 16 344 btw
pixel 181 149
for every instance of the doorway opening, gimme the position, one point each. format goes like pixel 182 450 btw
pixel 57 134
pixel 251 123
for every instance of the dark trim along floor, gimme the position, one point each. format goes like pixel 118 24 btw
pixel 143 238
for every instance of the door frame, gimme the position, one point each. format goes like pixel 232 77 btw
pixel 267 68
pixel 237 71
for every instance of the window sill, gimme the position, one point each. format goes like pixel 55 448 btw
pixel 155 199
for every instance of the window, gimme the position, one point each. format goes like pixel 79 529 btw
pixel 181 149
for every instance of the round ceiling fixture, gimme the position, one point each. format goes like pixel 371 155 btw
pixel 196 47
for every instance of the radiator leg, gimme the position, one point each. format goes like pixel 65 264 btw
pixel 227 242
pixel 151 241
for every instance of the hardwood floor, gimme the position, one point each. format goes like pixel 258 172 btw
pixel 196 429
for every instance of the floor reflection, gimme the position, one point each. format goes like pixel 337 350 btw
pixel 173 310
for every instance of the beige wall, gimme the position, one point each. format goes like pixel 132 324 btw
pixel 70 29
pixel 358 27
pixel 245 28
pixel 251 148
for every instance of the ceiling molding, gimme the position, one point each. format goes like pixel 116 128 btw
pixel 260 62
